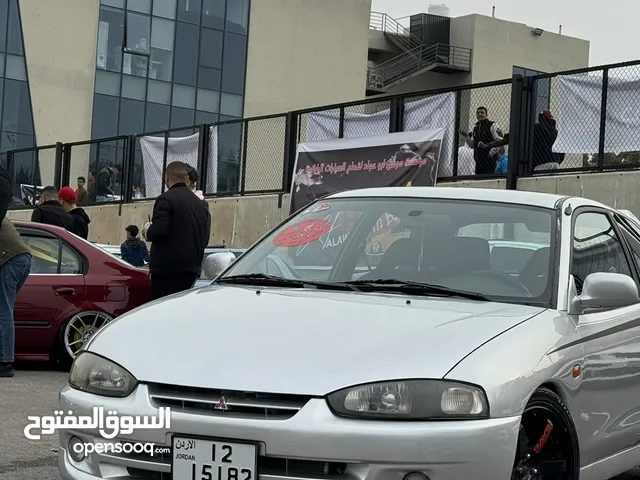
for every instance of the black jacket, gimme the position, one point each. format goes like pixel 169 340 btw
pixel 105 182
pixel 52 213
pixel 6 194
pixel 545 133
pixel 81 222
pixel 179 232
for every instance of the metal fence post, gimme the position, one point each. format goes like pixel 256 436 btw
pixel 396 115
pixel 290 148
pixel 65 175
pixel 129 162
pixel 57 165
pixel 603 117
pixel 243 157
pixel 515 131
pixel 203 156
pixel 456 133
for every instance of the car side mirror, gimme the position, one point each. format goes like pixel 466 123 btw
pixel 604 291
pixel 216 263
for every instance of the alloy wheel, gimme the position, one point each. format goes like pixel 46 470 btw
pixel 81 328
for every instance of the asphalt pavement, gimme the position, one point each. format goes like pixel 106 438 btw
pixel 34 391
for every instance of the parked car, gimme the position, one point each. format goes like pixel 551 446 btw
pixel 429 365
pixel 74 289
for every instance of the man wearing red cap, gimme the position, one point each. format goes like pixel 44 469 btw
pixel 81 220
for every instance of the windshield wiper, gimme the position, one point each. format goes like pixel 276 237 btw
pixel 414 288
pixel 274 281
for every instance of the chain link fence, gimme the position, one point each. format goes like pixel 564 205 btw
pixel 582 120
pixel 30 170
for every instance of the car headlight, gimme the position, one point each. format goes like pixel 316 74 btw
pixel 95 374
pixel 411 400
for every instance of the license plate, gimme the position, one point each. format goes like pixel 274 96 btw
pixel 206 459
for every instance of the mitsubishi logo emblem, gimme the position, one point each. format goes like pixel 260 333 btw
pixel 221 405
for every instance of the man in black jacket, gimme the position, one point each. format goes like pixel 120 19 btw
pixel 50 210
pixel 484 132
pixel 179 232
pixel 81 220
pixel 106 182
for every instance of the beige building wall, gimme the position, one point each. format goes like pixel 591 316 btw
pixel 60 49
pixel 301 53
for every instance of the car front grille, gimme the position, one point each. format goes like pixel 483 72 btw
pixel 252 405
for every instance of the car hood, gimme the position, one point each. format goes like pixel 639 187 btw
pixel 299 341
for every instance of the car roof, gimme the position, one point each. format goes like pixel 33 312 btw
pixel 39 226
pixel 546 200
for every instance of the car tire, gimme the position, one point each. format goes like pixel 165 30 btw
pixel 94 319
pixel 545 401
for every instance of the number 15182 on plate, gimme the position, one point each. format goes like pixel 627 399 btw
pixel 204 459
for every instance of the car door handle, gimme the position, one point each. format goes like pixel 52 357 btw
pixel 65 291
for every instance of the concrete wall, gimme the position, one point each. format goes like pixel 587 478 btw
pixel 61 78
pixel 293 63
pixel 240 221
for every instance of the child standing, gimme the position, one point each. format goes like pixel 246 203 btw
pixel 134 250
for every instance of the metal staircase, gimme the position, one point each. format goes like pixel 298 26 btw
pixel 416 58
pixel 397 34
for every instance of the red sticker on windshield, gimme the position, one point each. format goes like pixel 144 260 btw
pixel 302 233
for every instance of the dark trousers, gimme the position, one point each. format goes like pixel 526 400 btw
pixel 164 284
pixel 13 274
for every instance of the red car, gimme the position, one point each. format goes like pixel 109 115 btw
pixel 74 288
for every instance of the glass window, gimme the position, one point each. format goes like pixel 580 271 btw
pixel 181 117
pixel 15 68
pixel 142 6
pixel 209 78
pixel 633 240
pixel 14 39
pixel 184 96
pixel 213 13
pixel 159 92
pixel 162 35
pixel 2 63
pixel 131 117
pixel 164 8
pixel 211 48
pixel 4 15
pixel 157 117
pixel 238 16
pixel 205 117
pixel 107 83
pixel 596 248
pixel 189 11
pixel 105 116
pixel 110 37
pixel 208 101
pixel 417 238
pixel 234 66
pixel 52 257
pixel 13 141
pixel 16 112
pixel 231 105
pixel 134 87
pixel 138 33
pixel 135 65
pixel 186 54
pixel 113 3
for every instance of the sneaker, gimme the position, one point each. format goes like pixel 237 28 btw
pixel 6 370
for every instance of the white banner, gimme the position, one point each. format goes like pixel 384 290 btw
pixel 179 149
pixel 438 111
pixel 578 116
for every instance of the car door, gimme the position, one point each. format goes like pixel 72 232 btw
pixel 608 420
pixel 53 292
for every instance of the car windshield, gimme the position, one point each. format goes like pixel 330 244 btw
pixel 497 250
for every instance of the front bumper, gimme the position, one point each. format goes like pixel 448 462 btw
pixel 368 450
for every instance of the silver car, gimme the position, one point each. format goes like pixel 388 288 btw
pixel 431 361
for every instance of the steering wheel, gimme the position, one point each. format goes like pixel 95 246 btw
pixel 505 279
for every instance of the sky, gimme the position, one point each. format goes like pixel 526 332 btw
pixel 611 26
